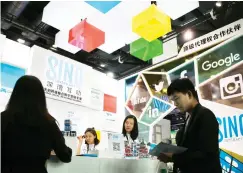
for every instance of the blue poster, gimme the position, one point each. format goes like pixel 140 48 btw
pixel 129 83
pixel 9 75
pixel 230 163
pixel 154 111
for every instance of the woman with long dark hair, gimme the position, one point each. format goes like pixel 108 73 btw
pixel 29 132
pixel 90 144
pixel 130 128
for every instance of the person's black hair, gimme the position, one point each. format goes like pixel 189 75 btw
pixel 134 132
pixel 92 130
pixel 27 103
pixel 184 86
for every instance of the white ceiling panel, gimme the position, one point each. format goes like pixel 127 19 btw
pixel 178 8
pixel 117 24
pixel 66 14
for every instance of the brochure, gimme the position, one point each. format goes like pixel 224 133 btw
pixel 166 148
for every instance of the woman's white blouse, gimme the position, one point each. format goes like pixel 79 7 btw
pixel 128 139
pixel 88 148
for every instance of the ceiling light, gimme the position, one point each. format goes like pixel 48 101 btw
pixel 102 65
pixel 218 4
pixel 21 41
pixel 188 35
pixel 55 46
pixel 110 74
pixel 214 96
pixel 119 60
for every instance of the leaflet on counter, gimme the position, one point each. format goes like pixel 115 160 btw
pixel 166 148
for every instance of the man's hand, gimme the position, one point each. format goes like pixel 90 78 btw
pixel 165 157
pixel 168 155
pixel 53 153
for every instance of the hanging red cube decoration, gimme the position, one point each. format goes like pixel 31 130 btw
pixel 86 36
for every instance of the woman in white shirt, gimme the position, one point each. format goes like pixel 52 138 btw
pixel 130 129
pixel 90 144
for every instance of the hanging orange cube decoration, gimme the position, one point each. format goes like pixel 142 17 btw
pixel 151 24
pixel 86 36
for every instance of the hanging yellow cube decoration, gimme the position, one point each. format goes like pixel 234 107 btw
pixel 151 24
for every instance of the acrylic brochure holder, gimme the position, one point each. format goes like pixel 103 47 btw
pixel 115 145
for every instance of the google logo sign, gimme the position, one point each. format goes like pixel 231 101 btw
pixel 207 65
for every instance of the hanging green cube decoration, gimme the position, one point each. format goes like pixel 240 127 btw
pixel 145 50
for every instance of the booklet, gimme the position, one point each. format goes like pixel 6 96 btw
pixel 166 148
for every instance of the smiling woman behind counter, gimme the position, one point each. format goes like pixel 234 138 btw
pixel 90 144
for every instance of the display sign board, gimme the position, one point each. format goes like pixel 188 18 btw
pixel 129 83
pixel 185 70
pixel 143 132
pixel 138 98
pixel 157 84
pixel 62 78
pixel 110 103
pixel 231 161
pixel 220 88
pixel 226 88
pixel 156 110
pixel 211 38
pixel 220 58
pixel 218 76
pixel 96 99
pixel 9 75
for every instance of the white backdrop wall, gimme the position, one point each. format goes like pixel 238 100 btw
pixel 2 43
pixel 170 49
pixel 20 55
pixel 15 54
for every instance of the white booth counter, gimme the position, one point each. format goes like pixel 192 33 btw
pixel 105 165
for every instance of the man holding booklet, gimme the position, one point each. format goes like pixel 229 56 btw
pixel 198 150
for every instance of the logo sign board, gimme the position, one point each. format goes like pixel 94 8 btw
pixel 185 70
pixel 212 38
pixel 219 59
pixel 61 77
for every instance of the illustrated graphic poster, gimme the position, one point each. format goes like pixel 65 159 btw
pixel 158 84
pixel 9 75
pixel 129 83
pixel 139 98
pixel 156 110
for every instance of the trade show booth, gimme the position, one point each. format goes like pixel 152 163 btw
pixel 84 97
pixel 79 97
pixel 215 68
